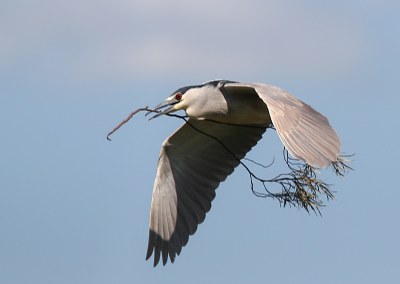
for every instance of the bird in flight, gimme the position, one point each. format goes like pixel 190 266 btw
pixel 225 120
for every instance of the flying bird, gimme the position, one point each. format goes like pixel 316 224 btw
pixel 225 120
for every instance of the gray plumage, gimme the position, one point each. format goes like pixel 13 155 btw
pixel 192 164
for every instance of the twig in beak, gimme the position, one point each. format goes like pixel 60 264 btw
pixel 149 110
pixel 127 119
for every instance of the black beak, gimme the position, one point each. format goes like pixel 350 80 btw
pixel 164 108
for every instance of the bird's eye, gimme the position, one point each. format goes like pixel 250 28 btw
pixel 178 96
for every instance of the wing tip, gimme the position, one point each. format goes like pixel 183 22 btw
pixel 163 250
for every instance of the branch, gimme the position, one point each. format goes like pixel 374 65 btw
pixel 299 188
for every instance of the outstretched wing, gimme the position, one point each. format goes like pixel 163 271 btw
pixel 305 133
pixel 193 161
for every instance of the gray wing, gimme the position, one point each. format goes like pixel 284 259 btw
pixel 190 168
pixel 305 133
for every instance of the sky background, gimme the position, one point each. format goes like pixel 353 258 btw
pixel 74 207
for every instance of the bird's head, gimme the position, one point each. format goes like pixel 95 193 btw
pixel 197 101
pixel 171 104
pixel 181 99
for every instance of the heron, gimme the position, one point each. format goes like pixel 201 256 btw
pixel 225 120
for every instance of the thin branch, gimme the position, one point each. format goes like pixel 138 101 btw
pixel 125 121
pixel 149 110
pixel 299 188
pixel 259 164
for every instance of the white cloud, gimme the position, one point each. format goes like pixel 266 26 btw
pixel 126 39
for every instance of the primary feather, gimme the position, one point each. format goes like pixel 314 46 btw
pixel 226 120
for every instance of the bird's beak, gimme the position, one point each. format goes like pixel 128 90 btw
pixel 164 108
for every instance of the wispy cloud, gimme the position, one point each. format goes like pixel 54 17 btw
pixel 126 39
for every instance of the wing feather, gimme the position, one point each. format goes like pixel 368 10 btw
pixel 305 133
pixel 192 164
pixel 190 168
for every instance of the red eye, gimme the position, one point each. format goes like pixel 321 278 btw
pixel 178 96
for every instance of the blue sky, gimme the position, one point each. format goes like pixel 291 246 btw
pixel 74 207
